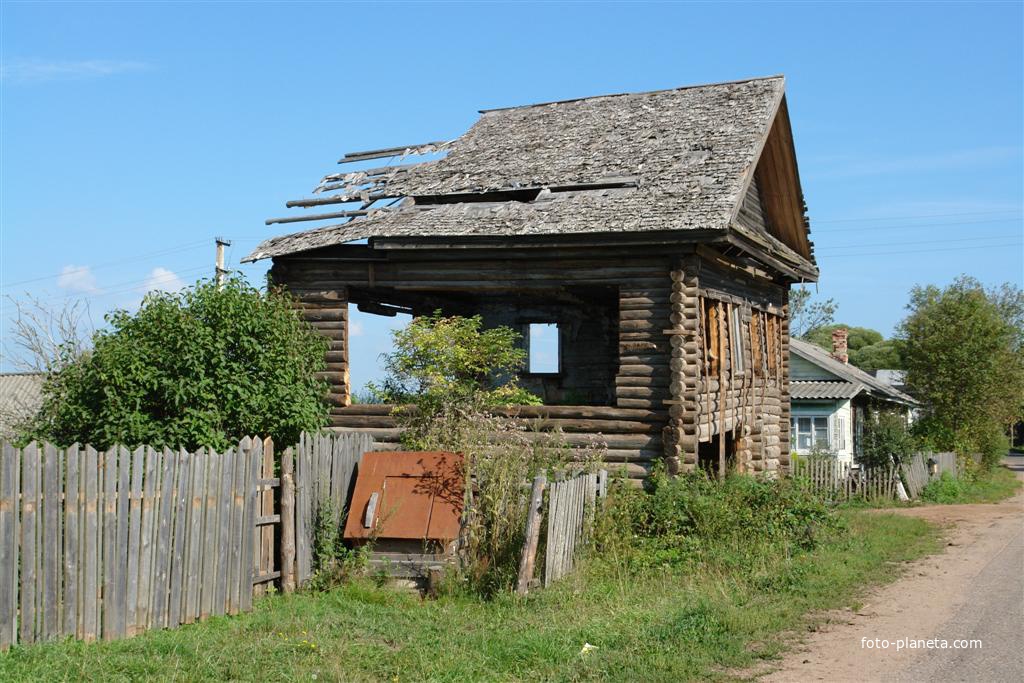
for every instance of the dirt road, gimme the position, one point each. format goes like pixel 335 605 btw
pixel 974 591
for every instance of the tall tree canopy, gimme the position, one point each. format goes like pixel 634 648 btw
pixel 867 348
pixel 203 367
pixel 963 348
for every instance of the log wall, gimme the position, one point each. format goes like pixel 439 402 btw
pixel 635 337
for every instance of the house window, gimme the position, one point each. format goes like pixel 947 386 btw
pixel 544 346
pixel 810 431
pixel 736 339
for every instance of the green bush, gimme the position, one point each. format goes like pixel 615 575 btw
pixel 886 440
pixel 945 489
pixel 203 367
pixel 693 519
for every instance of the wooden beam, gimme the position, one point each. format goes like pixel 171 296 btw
pixel 388 152
pixel 318 217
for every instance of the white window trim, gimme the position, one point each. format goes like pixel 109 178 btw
pixel 812 416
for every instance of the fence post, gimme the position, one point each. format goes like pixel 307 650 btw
pixel 533 520
pixel 287 522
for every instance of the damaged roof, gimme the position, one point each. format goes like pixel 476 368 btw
pixel 657 161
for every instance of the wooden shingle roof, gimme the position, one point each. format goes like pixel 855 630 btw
pixel 669 160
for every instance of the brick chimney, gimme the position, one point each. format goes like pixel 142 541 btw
pixel 839 338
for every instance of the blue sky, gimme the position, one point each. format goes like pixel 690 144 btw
pixel 133 133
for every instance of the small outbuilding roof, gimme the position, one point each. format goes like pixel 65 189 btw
pixel 668 160
pixel 852 380
pixel 21 396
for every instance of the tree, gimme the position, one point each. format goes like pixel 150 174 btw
pixel 203 367
pixel 452 361
pixel 45 337
pixel 886 440
pixel 867 349
pixel 805 315
pixel 964 359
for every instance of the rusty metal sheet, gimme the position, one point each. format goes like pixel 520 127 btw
pixel 410 495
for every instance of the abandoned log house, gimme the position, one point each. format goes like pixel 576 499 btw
pixel 657 233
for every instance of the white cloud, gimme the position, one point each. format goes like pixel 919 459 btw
pixel 355 329
pixel 26 71
pixel 77 279
pixel 162 279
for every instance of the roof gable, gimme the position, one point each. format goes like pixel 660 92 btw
pixel 814 354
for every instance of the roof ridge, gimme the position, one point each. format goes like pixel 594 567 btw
pixel 638 92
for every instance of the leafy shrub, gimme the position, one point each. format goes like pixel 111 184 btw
pixel 886 440
pixel 945 489
pixel 692 519
pixel 202 367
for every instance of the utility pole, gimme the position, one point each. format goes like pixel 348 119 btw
pixel 220 271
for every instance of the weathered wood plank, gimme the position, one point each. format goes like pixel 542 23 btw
pixel 534 518
pixel 211 525
pixel 70 619
pixel 182 502
pixel 120 601
pixel 220 600
pixel 50 541
pixel 29 548
pixel 192 588
pixel 301 503
pixel 10 463
pixel 91 544
pixel 108 606
pixel 287 563
pixel 147 546
pixel 164 540
pixel 237 510
pixel 249 531
pixel 134 539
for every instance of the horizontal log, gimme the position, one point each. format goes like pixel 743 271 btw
pixel 643 370
pixel 325 314
pixel 650 404
pixel 633 455
pixel 659 380
pixel 653 326
pixel 644 313
pixel 641 392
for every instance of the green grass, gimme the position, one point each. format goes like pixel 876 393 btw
pixel 663 624
pixel 990 487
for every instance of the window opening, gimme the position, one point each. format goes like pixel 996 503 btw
pixel 543 344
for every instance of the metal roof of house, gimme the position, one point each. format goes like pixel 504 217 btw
pixel 20 398
pixel 644 162
pixel 853 377
pixel 813 389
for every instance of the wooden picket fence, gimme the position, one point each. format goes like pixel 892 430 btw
pixel 916 474
pixel 324 465
pixel 572 503
pixel 108 544
pixel 838 481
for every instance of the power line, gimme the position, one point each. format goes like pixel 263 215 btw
pixel 163 252
pixel 128 286
pixel 890 244
pixel 911 218
pixel 923 251
pixel 858 228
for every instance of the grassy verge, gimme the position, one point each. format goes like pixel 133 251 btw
pixel 989 487
pixel 660 624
